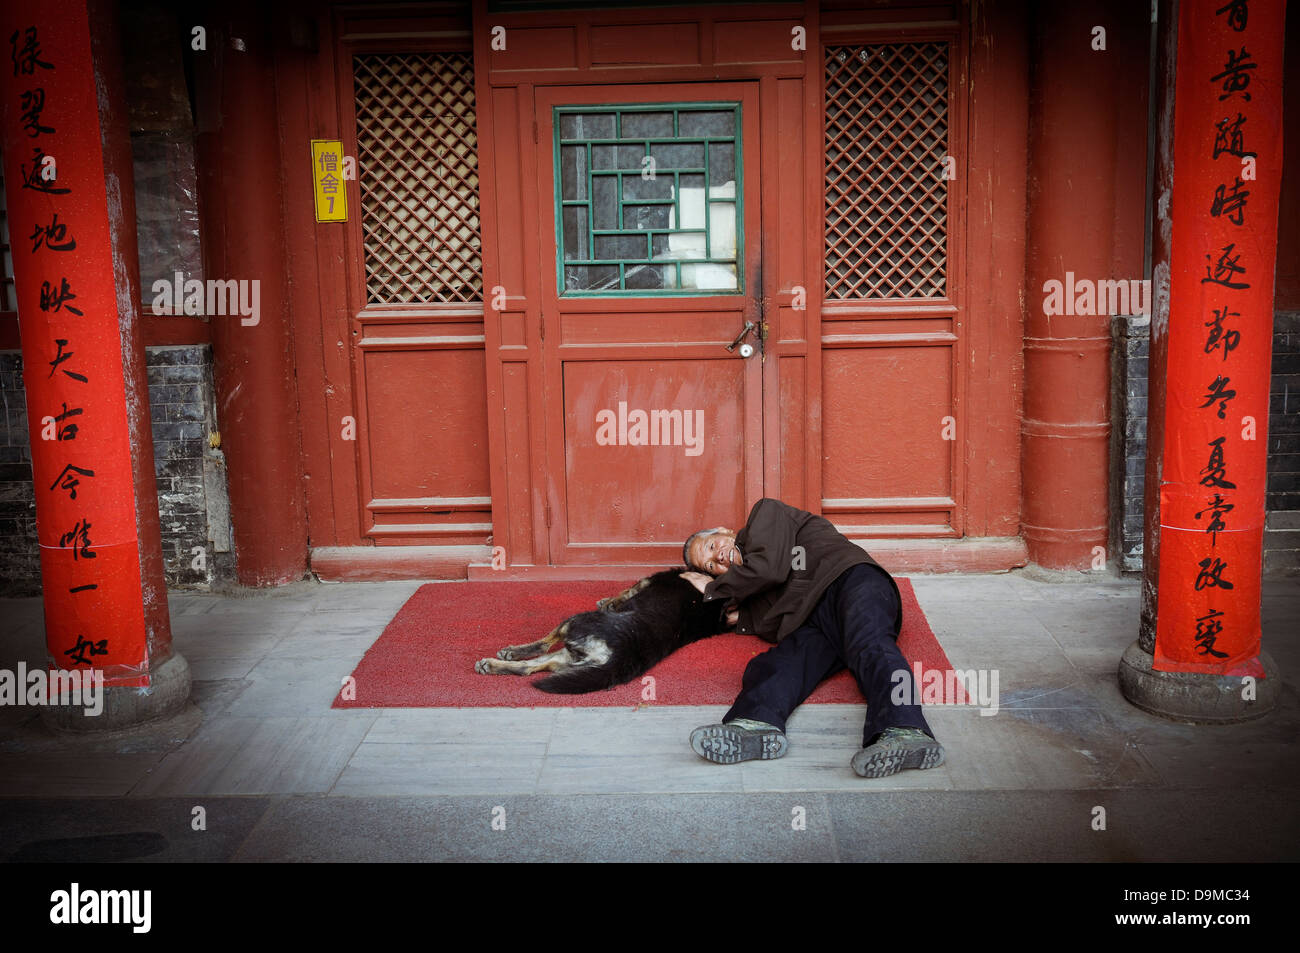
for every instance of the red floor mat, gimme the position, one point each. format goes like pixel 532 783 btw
pixel 425 657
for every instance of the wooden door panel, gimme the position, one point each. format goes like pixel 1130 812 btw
pixel 650 447
pixel 422 434
pixel 887 446
pixel 684 325
pixel 421 405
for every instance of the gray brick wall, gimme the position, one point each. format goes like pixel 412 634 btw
pixel 1129 390
pixel 191 474
pixel 20 568
pixel 1132 343
pixel 1282 526
pixel 192 499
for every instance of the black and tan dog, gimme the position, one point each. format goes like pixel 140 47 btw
pixel 624 637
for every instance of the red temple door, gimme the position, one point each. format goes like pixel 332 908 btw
pixel 650 262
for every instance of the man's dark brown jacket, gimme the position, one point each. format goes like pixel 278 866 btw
pixel 788 559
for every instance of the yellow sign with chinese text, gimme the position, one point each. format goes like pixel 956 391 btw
pixel 327 180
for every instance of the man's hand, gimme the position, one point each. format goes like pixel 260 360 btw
pixel 697 579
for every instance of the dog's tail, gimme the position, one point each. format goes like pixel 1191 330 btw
pixel 577 681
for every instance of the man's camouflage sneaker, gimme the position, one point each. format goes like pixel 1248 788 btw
pixel 898 749
pixel 739 740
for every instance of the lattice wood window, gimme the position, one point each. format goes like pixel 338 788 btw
pixel 418 172
pixel 648 198
pixel 886 197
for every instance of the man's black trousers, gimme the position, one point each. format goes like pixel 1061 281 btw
pixel 852 627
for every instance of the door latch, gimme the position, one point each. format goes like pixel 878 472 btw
pixel 746 350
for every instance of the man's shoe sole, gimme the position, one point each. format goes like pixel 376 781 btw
pixel 724 744
pixel 894 758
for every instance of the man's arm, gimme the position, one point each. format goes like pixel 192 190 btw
pixel 765 560
pixel 699 580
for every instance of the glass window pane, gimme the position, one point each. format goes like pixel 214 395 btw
pixel 685 245
pixel 590 277
pixel 617 157
pixel 651 277
pixel 690 202
pixel 669 156
pixel 700 123
pixel 573 172
pixel 647 125
pixel 709 277
pixel 574 223
pixel 722 163
pixel 604 205
pixel 722 229
pixel 636 187
pixel 587 126
pixel 621 247
pixel 646 216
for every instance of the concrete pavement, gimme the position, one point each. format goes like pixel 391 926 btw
pixel 279 775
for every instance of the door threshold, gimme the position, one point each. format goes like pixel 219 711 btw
pixel 483 572
pixel 898 556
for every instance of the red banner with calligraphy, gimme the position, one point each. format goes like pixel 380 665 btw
pixel 1227 169
pixel 71 346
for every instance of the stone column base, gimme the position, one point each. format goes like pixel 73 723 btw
pixel 166 695
pixel 1194 697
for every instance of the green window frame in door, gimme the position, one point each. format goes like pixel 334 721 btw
pixel 649 199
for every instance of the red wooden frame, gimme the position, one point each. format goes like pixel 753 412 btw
pixel 514 375
pixel 912 322
pixel 465 520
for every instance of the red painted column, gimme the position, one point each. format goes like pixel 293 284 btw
pixel 1198 655
pixel 71 207
pixel 243 228
pixel 1072 161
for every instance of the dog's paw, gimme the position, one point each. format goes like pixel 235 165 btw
pixel 512 653
pixel 485 666
pixel 603 602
